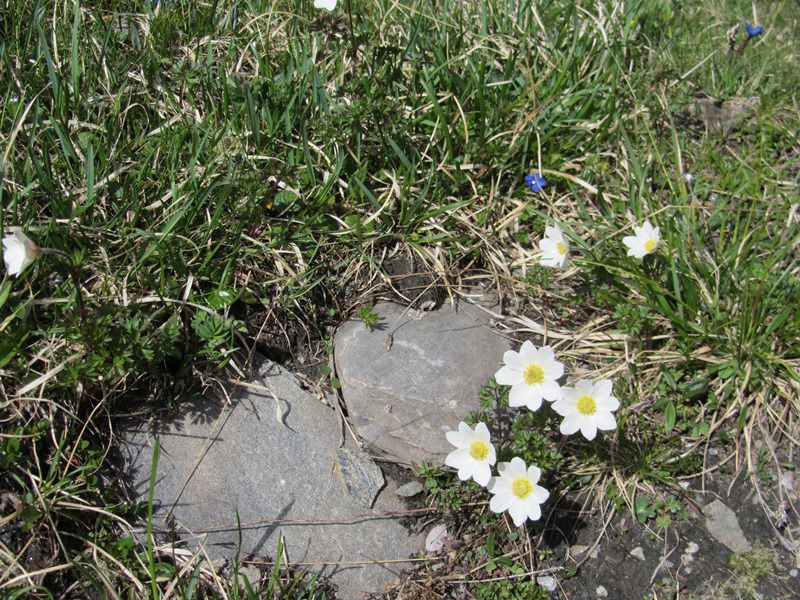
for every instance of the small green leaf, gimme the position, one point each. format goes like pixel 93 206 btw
pixel 670 416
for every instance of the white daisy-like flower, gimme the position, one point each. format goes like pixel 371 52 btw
pixel 644 242
pixel 587 407
pixel 474 455
pixel 532 373
pixel 554 247
pixel 516 491
pixel 18 251
pixel 326 4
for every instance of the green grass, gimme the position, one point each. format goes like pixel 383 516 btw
pixel 215 167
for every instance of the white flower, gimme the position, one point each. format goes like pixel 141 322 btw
pixel 18 251
pixel 644 242
pixel 515 491
pixel 326 4
pixel 554 248
pixel 587 407
pixel 532 373
pixel 475 454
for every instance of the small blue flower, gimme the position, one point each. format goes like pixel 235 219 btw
pixel 536 182
pixel 752 31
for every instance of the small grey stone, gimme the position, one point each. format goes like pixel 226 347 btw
pixel 428 366
pixel 637 553
pixel 252 574
pixel 410 489
pixel 722 524
pixel 577 549
pixel 601 591
pixel 361 476
pixel 223 463
pixel 547 582
pixel 794 572
pixel 692 548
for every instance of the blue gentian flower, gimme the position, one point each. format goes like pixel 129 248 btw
pixel 536 182
pixel 752 31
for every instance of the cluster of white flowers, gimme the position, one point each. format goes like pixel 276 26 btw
pixel 533 375
pixel 554 247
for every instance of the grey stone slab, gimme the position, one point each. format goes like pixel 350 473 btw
pixel 218 459
pixel 722 523
pixel 417 374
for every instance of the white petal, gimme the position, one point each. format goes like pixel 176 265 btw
pixel 609 404
pixel 467 469
pixel 540 494
pixel 526 350
pixel 563 407
pixel 482 432
pixel 532 508
pixel 14 257
pixel 551 390
pixel 553 368
pixel 326 4
pixel 534 402
pixel 569 394
pixel 501 503
pixel 605 420
pixel 500 485
pixel 492 458
pixel 502 470
pixel 589 428
pixel 569 425
pixel 458 439
pixel 553 233
pixel 482 474
pixel 546 354
pixel 457 458
pixel 516 468
pixel 518 396
pixel 514 360
pixel 508 376
pixel 533 474
pixel 583 387
pixel 602 389
pixel 518 512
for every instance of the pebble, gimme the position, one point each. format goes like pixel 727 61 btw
pixel 412 488
pixel 722 524
pixel 692 548
pixel 601 592
pixel 793 572
pixel 577 549
pixel 637 553
pixel 547 582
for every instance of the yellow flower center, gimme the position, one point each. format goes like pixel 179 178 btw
pixel 478 450
pixel 587 406
pixel 562 249
pixel 521 488
pixel 534 375
pixel 649 245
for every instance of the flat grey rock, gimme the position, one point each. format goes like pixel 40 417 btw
pixel 417 374
pixel 410 489
pixel 217 460
pixel 723 525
